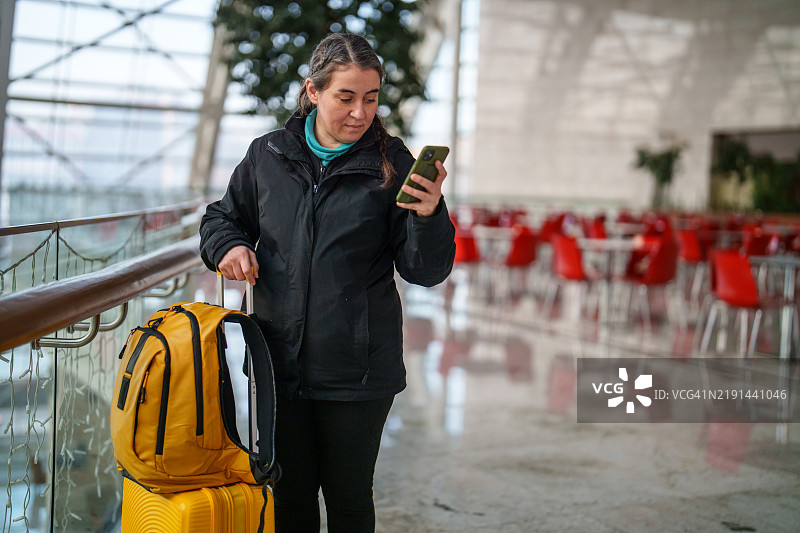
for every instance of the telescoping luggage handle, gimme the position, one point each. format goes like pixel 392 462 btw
pixel 251 380
pixel 221 294
pixel 251 384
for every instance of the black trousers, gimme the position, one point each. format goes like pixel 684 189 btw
pixel 332 445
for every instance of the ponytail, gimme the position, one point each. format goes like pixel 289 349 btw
pixel 389 173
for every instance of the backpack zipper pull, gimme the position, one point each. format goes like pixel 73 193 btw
pixel 125 346
pixel 144 384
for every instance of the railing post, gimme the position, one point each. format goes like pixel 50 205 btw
pixel 54 405
pixel 6 26
pixel 54 445
pixel 144 234
pixel 58 249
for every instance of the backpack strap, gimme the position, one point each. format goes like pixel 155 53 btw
pixel 262 462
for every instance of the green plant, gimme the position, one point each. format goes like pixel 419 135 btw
pixel 273 40
pixel 776 184
pixel 733 157
pixel 661 165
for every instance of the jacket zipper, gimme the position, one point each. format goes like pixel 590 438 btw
pixel 322 174
pixel 314 190
pixel 322 171
pixel 198 366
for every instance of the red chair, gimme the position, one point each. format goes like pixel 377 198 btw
pixel 552 225
pixel 756 242
pixel 663 265
pixel 658 269
pixel 639 259
pixel 466 248
pixel 733 285
pixel 467 261
pixel 511 217
pixel 491 219
pixel 520 257
pixel 626 217
pixel 567 264
pixel 734 222
pixel 597 229
pixel 691 251
pixel 567 258
pixel 692 255
pixel 657 224
pixel 523 247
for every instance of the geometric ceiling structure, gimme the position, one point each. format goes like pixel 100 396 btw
pixel 104 93
pixel 108 95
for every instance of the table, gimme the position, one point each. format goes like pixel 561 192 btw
pixel 623 229
pixel 784 230
pixel 493 241
pixel 609 248
pixel 722 238
pixel 790 264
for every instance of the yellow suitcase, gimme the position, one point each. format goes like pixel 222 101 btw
pixel 227 509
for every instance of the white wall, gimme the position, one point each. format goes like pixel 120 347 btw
pixel 568 89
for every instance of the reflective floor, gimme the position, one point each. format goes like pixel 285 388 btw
pixel 485 437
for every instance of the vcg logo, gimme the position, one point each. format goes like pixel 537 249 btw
pixel 644 381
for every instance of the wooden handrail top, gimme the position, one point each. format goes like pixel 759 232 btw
pixel 33 313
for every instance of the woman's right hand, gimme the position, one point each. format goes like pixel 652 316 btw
pixel 240 264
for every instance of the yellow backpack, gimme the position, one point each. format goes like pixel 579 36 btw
pixel 173 416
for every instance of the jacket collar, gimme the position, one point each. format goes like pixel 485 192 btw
pixel 294 145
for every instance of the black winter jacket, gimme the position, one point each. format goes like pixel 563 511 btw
pixel 325 297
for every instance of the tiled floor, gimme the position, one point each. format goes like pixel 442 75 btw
pixel 485 437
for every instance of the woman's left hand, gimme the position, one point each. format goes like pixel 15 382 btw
pixel 429 195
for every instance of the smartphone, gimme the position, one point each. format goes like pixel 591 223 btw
pixel 425 166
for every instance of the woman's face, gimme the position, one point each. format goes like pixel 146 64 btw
pixel 346 107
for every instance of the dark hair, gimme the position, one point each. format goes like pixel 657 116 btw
pixel 338 51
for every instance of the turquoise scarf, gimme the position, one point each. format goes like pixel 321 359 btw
pixel 326 155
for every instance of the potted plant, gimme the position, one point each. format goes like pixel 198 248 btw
pixel 662 165
pixel 776 184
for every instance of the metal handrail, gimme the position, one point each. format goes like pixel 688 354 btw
pixel 103 326
pixel 169 288
pixel 52 342
pixel 30 314
pixel 183 207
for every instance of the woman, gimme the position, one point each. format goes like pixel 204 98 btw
pixel 310 219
